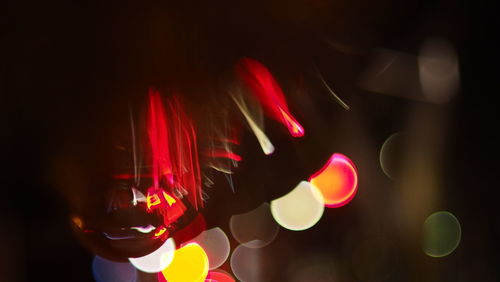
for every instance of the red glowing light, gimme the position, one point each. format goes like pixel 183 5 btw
pixel 127 176
pixel 174 149
pixel 225 154
pixel 158 136
pixel 337 181
pixel 268 92
pixel 219 276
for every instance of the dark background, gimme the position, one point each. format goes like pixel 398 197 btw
pixel 64 65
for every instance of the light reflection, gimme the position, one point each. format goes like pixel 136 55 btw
pixel 267 90
pixel 245 264
pixel 157 260
pixel 143 229
pixel 300 209
pixel 216 245
pixel 391 155
pixel 256 228
pixel 438 70
pixel 441 234
pixel 337 181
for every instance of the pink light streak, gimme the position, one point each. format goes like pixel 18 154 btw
pixel 174 149
pixel 268 92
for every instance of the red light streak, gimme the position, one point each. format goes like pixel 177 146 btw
pixel 127 176
pixel 158 136
pixel 268 92
pixel 225 154
pixel 174 149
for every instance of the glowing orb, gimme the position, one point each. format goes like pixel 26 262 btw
pixel 108 271
pixel 254 229
pixel 157 260
pixel 300 209
pixel 245 264
pixel 337 181
pixel 219 276
pixel 441 234
pixel 190 264
pixel 216 245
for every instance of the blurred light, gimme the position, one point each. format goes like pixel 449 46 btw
pixel 391 72
pixel 438 70
pixel 174 154
pixel 157 260
pixel 143 229
pixel 225 154
pixel 254 229
pixel 300 209
pixel 219 276
pixel 337 98
pixel 216 245
pixel 158 131
pixel 432 76
pixel 391 155
pixel 245 264
pixel 77 221
pixel 337 181
pixel 189 265
pixel 138 197
pixel 110 271
pixel 267 90
pixel 441 234
pixel 257 129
